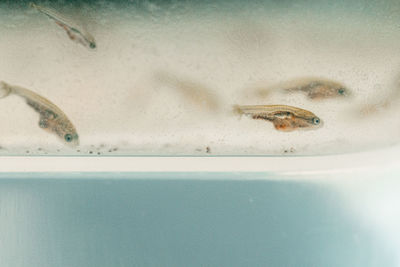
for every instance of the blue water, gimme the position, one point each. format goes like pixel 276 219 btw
pixel 149 221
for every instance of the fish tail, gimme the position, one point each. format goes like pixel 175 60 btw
pixel 5 89
pixel 237 110
pixel 32 5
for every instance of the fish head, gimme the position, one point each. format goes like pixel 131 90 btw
pixel 301 118
pixel 310 122
pixel 292 123
pixel 63 128
pixel 306 120
pixel 343 91
pixel 90 41
pixel 92 45
pixel 71 139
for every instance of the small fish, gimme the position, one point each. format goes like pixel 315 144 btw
pixel 74 32
pixel 284 118
pixel 51 117
pixel 314 88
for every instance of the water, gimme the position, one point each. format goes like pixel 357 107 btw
pixel 181 219
pixel 130 96
pixel 162 81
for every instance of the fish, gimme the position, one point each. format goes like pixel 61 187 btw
pixel 285 118
pixel 52 118
pixel 74 32
pixel 314 88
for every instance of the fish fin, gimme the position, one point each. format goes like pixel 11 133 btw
pixel 282 125
pixel 5 89
pixel 43 122
pixel 45 114
pixel 237 110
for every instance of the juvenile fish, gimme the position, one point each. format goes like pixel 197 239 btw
pixel 74 32
pixel 284 118
pixel 51 119
pixel 314 88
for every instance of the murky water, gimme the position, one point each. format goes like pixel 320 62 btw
pixel 165 75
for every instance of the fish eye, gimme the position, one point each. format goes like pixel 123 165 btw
pixel 316 121
pixel 68 137
pixel 341 91
pixel 92 45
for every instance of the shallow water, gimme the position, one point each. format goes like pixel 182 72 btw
pixel 130 96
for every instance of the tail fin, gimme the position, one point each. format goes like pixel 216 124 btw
pixel 5 89
pixel 32 5
pixel 237 110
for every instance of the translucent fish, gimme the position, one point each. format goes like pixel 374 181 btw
pixel 284 118
pixel 314 88
pixel 74 32
pixel 51 119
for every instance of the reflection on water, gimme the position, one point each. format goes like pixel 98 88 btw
pixel 177 222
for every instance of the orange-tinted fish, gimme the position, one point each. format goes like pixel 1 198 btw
pixel 284 118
